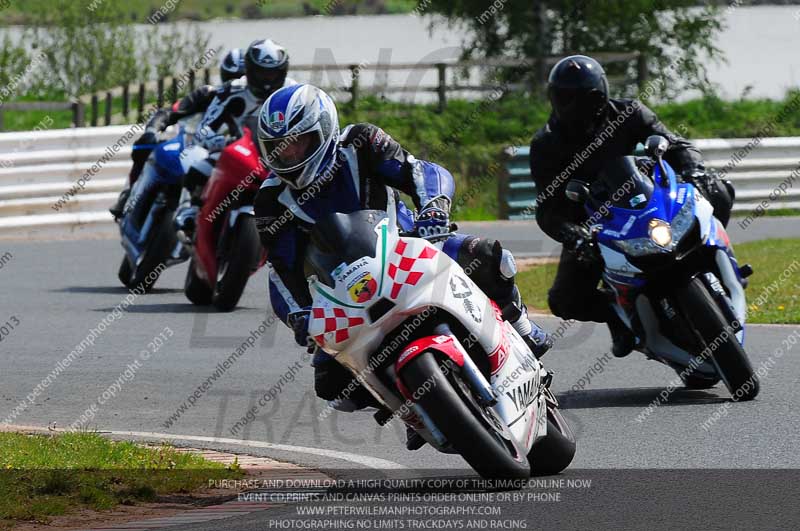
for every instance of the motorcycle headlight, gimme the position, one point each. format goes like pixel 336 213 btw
pixel 660 232
pixel 663 236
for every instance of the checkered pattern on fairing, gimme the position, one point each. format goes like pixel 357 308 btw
pixel 339 322
pixel 401 271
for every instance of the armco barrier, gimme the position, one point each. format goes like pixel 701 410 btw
pixel 37 169
pixel 756 175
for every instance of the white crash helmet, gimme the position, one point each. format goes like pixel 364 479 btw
pixel 298 130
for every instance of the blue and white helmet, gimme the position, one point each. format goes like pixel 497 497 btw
pixel 232 65
pixel 298 130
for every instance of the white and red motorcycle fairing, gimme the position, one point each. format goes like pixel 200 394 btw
pixel 417 277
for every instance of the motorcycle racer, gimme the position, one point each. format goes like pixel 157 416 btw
pixel 316 170
pixel 585 130
pixel 265 64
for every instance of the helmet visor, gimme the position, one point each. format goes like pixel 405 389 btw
pixel 263 81
pixel 575 104
pixel 291 152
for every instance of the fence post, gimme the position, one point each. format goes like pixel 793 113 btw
pixel 642 73
pixel 2 121
pixel 78 113
pixel 191 80
pixel 160 96
pixel 126 100
pixel 109 100
pixel 207 76
pixel 140 114
pixel 354 85
pixel 94 110
pixel 173 91
pixel 442 89
pixel 502 186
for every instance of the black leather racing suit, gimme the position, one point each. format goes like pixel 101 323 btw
pixel 556 157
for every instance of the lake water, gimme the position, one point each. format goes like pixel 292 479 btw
pixel 762 44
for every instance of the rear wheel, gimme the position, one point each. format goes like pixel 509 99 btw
pixel 162 242
pixel 719 342
pixel 195 289
pixel 237 264
pixel 474 431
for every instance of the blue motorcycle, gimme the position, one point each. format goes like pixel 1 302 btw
pixel 669 270
pixel 148 235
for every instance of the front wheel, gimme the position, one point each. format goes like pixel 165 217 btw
pixel 474 431
pixel 719 341
pixel 237 263
pixel 125 271
pixel 555 451
pixel 195 289
pixel 156 254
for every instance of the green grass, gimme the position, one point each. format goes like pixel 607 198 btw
pixel 43 476
pixel 769 258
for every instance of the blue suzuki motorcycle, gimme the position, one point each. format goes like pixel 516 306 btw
pixel 146 228
pixel 670 270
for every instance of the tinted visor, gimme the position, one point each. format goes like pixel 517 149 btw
pixel 264 81
pixel 291 152
pixel 577 105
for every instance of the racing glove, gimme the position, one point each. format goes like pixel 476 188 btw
pixel 142 147
pixel 298 321
pixel 719 192
pixel 579 240
pixel 433 220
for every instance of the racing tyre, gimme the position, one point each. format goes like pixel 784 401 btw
pixel 237 264
pixel 125 271
pixel 195 289
pixel 730 359
pixel 474 432
pixel 555 452
pixel 156 254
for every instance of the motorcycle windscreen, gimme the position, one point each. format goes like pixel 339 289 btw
pixel 341 238
pixel 623 183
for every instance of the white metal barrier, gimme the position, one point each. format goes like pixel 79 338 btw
pixel 38 169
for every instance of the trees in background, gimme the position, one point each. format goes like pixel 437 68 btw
pixel 675 36
pixel 87 47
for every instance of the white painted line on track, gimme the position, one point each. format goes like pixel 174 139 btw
pixel 371 462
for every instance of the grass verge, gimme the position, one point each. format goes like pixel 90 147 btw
pixel 50 475
pixel 775 283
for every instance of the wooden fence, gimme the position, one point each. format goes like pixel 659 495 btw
pixel 168 89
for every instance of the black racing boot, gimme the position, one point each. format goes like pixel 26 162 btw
pixel 623 339
pixel 337 385
pixel 119 207
pixel 414 440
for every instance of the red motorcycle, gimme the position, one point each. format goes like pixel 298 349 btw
pixel 226 248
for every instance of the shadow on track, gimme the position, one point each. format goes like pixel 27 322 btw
pixel 636 397
pixel 176 308
pixel 111 290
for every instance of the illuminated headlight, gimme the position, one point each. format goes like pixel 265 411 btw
pixel 660 232
pixel 663 236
